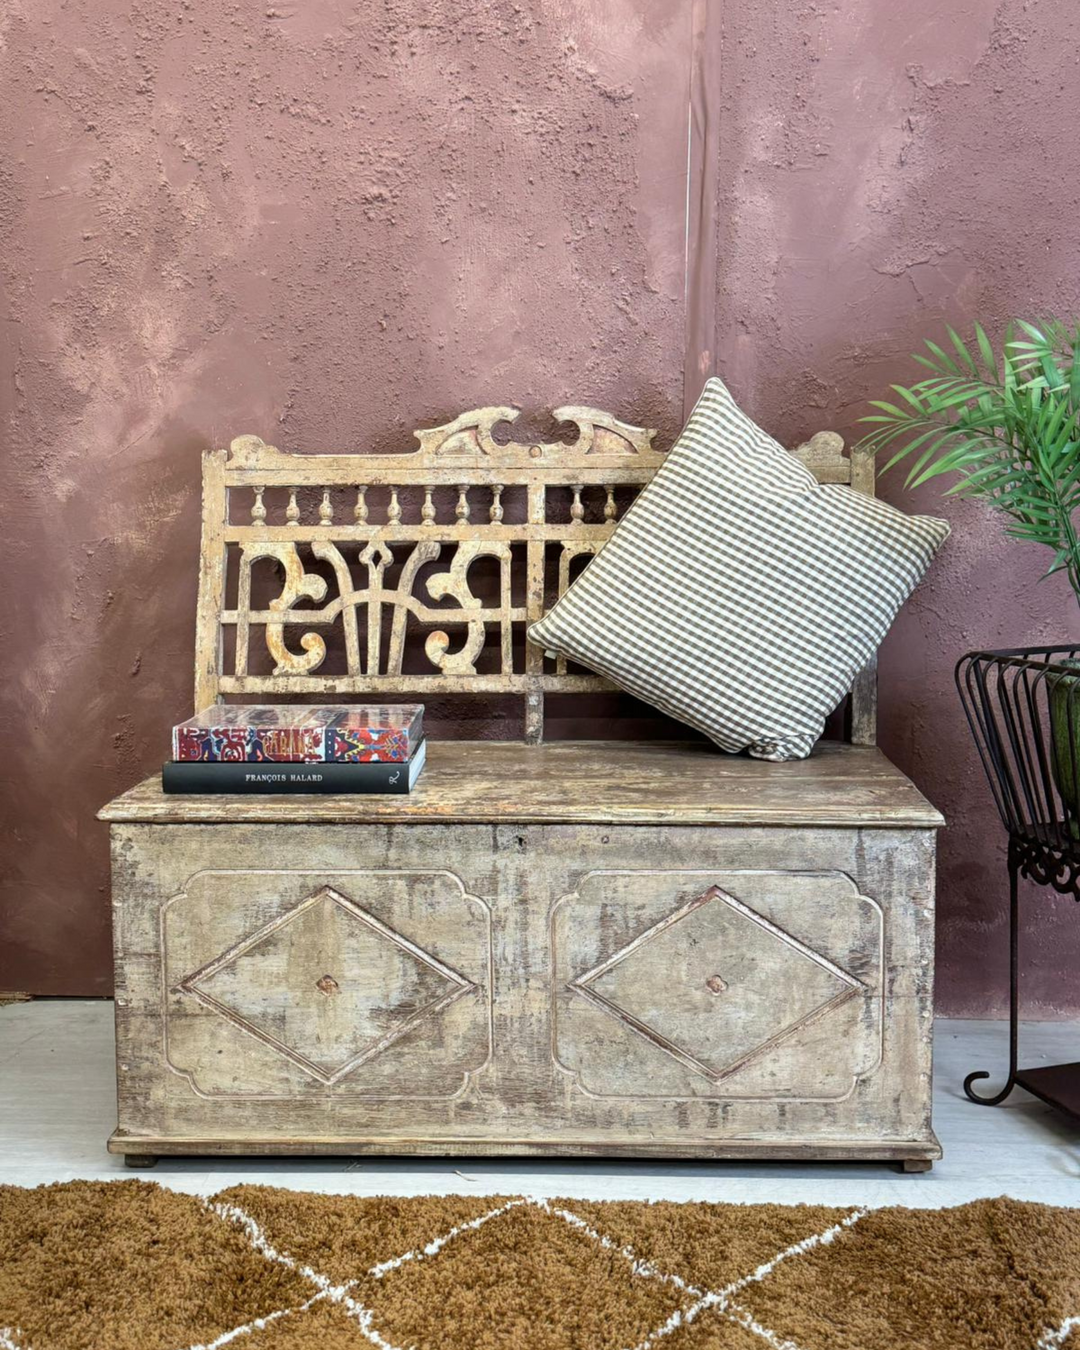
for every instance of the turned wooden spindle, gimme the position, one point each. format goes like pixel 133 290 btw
pixel 496 512
pixel 577 509
pixel 258 510
pixel 292 511
pixel 393 511
pixel 360 510
pixel 609 506
pixel 427 511
pixel 462 508
pixel 326 509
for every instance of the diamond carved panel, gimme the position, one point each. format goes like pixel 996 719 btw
pixel 702 985
pixel 731 985
pixel 327 985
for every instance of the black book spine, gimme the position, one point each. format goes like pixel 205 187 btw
pixel 242 777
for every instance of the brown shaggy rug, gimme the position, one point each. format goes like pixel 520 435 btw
pixel 130 1266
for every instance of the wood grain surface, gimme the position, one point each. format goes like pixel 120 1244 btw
pixel 687 783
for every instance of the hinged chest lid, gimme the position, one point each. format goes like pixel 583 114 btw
pixel 598 782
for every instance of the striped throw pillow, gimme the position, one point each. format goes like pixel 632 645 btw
pixel 738 594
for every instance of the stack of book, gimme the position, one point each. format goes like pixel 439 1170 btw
pixel 287 748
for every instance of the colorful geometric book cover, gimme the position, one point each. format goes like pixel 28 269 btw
pixel 289 733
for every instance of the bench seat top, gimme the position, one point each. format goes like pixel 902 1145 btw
pixel 597 782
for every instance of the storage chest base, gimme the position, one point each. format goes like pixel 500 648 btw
pixel 564 950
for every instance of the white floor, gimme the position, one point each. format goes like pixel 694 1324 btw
pixel 57 1109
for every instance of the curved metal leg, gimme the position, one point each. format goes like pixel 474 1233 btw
pixel 1014 868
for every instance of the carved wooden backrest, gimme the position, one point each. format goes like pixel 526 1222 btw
pixel 333 576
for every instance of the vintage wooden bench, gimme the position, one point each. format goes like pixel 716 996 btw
pixel 575 947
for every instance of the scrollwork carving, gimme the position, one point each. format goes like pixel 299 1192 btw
pixel 424 552
pixel 455 583
pixel 372 522
pixel 376 597
pixel 330 553
pixel 470 436
pixel 298 585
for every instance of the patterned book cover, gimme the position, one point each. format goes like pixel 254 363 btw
pixel 288 733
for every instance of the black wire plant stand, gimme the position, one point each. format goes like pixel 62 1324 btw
pixel 1023 707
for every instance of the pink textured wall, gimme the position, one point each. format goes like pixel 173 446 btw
pixel 327 223
pixel 331 222
pixel 886 168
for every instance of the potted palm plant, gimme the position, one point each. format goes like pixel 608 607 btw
pixel 1005 426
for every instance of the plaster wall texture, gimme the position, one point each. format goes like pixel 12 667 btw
pixel 329 223
pixel 885 169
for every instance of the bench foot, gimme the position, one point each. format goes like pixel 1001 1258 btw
pixel 140 1160
pixel 916 1164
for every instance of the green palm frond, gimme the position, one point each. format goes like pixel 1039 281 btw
pixel 1004 424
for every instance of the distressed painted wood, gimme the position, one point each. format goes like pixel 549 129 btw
pixel 647 949
pixel 361 573
pixel 861 712
pixel 572 987
pixel 706 969
pixel 681 783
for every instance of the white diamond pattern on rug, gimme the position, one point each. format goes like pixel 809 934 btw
pixel 694 1302
pixel 327 985
pixel 783 1280
pixel 674 986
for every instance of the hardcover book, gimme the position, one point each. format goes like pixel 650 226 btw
pixel 242 777
pixel 290 733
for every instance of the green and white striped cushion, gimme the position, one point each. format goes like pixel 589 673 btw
pixel 738 594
